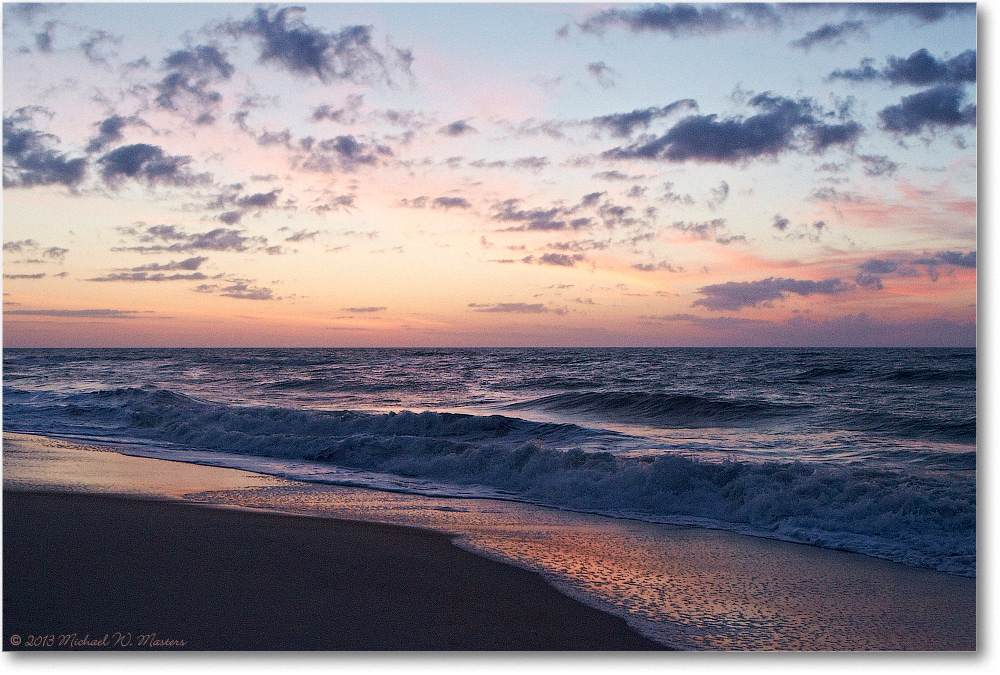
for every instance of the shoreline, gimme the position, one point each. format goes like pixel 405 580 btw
pixel 207 579
pixel 691 588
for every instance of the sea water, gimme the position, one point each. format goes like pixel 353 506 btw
pixel 866 450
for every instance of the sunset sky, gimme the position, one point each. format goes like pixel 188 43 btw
pixel 480 175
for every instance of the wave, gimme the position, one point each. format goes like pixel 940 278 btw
pixel 918 519
pixel 951 430
pixel 820 372
pixel 667 410
pixel 331 384
pixel 930 375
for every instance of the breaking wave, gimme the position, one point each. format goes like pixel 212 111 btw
pixel 919 519
pixel 667 410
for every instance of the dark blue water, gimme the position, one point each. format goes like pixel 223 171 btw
pixel 866 450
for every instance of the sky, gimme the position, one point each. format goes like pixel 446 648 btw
pixel 489 175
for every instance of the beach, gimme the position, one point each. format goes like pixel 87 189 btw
pixel 106 572
pixel 183 556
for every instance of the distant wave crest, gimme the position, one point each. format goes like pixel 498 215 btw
pixel 667 410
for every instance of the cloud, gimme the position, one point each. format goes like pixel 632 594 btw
pixel 94 40
pixel 863 73
pixel 656 267
pixel 671 197
pixel 615 175
pixel 926 12
pixel 268 138
pixel 872 270
pixel 682 19
pixel 335 203
pixel 602 73
pixel 219 239
pixel 825 135
pixel 967 260
pixel 919 69
pixel 830 34
pixel 43 40
pixel 363 310
pixel 342 153
pixel 261 200
pixel 579 245
pixel 302 235
pixel 80 313
pixel 110 131
pixel 702 230
pixel 558 259
pixel 829 194
pixel 148 162
pixel 719 194
pixel 28 159
pixel 613 215
pixel 445 203
pixel 878 165
pixel 20 246
pixel 451 203
pixel 458 128
pixel 869 281
pixel 146 276
pixel 27 11
pixel 484 164
pixel 415 203
pixel 189 264
pixel 239 289
pixel 803 231
pixel 345 115
pixel 679 19
pixel 533 127
pixel 287 41
pixel 411 120
pixel 955 258
pixel 535 219
pixel 784 124
pixel 930 109
pixel 734 295
pixel 876 266
pixel 39 275
pixel 622 125
pixel 560 217
pixel 731 239
pixel 200 60
pixel 530 163
pixel 516 308
pixel 176 85
pixel 712 322
pixel 189 74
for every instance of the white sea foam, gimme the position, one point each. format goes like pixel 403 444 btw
pixel 920 520
pixel 773 443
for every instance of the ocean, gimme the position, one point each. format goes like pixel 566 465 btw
pixel 871 451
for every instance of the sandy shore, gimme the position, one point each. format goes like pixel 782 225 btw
pixel 200 578
pixel 254 579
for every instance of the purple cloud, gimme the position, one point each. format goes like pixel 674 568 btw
pixel 735 295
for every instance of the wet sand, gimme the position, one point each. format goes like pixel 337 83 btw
pixel 239 578
pixel 202 578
